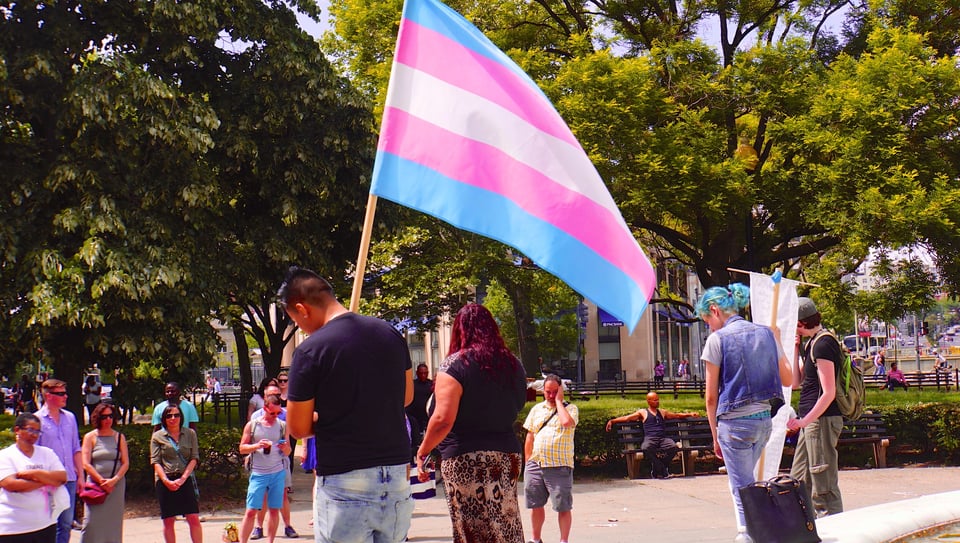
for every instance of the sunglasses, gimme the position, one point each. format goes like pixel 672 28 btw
pixel 60 393
pixel 172 416
pixel 282 380
pixel 32 431
pixel 106 415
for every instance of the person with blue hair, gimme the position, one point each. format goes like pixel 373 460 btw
pixel 745 370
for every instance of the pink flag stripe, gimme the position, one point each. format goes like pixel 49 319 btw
pixel 489 168
pixel 433 53
pixel 451 108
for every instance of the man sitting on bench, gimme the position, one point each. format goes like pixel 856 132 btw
pixel 656 446
pixel 895 378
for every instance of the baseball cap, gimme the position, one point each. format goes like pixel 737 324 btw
pixel 806 308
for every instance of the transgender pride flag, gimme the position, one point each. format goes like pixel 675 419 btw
pixel 469 138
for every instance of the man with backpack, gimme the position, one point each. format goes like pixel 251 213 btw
pixel 820 420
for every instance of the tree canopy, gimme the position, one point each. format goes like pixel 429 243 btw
pixel 163 163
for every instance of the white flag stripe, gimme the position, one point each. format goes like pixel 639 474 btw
pixel 474 117
pixel 761 308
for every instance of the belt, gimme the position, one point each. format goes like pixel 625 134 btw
pixel 758 415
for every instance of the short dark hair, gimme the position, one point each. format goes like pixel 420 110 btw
pixel 553 377
pixel 302 285
pixel 23 419
pixel 810 322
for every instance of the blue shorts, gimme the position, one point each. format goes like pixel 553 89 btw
pixel 271 484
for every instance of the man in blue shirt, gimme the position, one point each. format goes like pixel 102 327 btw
pixel 189 412
pixel 61 434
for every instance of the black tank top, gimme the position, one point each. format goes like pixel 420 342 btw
pixel 653 424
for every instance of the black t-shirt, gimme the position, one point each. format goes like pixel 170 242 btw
pixel 422 390
pixel 488 408
pixel 354 369
pixel 827 347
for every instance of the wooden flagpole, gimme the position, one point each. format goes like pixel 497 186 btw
pixel 364 249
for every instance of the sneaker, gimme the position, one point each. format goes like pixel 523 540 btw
pixel 742 537
pixel 290 532
pixel 257 533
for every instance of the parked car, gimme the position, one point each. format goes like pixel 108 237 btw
pixel 9 398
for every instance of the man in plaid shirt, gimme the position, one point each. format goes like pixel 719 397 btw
pixel 549 452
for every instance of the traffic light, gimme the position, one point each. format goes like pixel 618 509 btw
pixel 582 314
pixel 924 328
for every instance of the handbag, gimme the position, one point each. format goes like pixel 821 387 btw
pixel 91 493
pixel 779 511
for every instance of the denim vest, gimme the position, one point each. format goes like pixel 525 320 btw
pixel 749 371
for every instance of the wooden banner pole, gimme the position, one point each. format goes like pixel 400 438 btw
pixel 364 249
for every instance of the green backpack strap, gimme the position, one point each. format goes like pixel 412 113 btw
pixel 842 373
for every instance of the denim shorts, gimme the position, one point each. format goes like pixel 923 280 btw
pixel 540 483
pixel 370 504
pixel 270 484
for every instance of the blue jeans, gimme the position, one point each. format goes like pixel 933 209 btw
pixel 742 442
pixel 363 505
pixel 65 520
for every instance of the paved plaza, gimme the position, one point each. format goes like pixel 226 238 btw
pixel 693 509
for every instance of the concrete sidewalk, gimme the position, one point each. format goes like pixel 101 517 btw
pixel 695 509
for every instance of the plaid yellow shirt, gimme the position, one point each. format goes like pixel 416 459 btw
pixel 553 445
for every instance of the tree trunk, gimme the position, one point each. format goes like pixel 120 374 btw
pixel 66 354
pixel 526 329
pixel 243 357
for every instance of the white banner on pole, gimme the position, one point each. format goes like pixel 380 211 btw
pixel 761 307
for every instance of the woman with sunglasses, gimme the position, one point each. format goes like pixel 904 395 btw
pixel 175 453
pixel 105 461
pixel 30 476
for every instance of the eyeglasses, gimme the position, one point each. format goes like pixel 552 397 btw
pixel 172 416
pixel 32 431
pixel 282 380
pixel 60 393
pixel 106 415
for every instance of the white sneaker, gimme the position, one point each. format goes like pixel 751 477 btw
pixel 743 537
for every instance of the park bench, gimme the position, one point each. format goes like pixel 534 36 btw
pixel 692 435
pixel 596 388
pixel 869 429
pixel 940 380
pixel 231 405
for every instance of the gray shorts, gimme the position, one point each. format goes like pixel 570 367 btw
pixel 539 483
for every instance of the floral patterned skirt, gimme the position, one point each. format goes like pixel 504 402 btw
pixel 481 489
